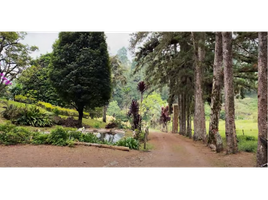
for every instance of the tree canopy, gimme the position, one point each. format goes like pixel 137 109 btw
pixel 81 71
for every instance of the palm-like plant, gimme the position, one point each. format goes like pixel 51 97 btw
pixel 134 111
pixel 141 88
pixel 164 119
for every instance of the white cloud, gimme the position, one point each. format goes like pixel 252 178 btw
pixel 45 40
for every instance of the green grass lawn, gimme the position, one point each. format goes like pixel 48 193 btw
pixel 250 127
pixel 94 123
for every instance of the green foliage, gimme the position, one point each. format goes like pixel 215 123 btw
pixel 59 110
pixel 129 142
pixel 113 109
pixel 119 124
pixel 11 135
pixel 35 82
pixel 58 137
pixel 81 72
pixel 14 55
pixel 247 143
pixel 23 99
pixel 28 115
pixel 40 138
pixel 151 107
pixel 56 111
pixel 89 138
pixel 96 125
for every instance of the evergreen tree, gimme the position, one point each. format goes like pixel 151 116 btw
pixel 81 71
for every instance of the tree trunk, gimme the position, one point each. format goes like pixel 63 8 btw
pixel 216 94
pixel 189 126
pixel 183 114
pixel 229 94
pixel 175 118
pixel 104 113
pixel 262 100
pixel 80 112
pixel 180 113
pixel 199 111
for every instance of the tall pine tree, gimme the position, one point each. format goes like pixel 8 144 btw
pixel 81 71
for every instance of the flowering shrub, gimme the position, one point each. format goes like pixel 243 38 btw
pixel 3 79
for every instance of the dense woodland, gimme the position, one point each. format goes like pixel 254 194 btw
pixel 203 73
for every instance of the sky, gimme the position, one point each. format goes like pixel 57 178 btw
pixel 45 40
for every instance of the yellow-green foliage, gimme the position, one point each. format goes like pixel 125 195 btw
pixel 62 111
pixel 23 99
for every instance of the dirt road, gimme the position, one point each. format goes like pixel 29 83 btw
pixel 169 150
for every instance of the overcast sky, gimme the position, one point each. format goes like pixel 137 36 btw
pixel 45 40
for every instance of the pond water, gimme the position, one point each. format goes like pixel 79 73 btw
pixel 112 138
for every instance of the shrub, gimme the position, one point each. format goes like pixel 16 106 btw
pixel 74 135
pixel 128 142
pixel 10 135
pixel 58 137
pixel 248 146
pixel 111 125
pixel 96 125
pixel 56 111
pixel 28 115
pixel 116 123
pixel 59 110
pixel 91 138
pixel 40 138
pixel 24 99
pixel 70 143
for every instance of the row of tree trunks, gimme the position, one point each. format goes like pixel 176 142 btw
pixel 262 100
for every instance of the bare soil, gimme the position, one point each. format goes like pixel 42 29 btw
pixel 169 150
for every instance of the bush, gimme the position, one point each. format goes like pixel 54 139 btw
pixel 91 138
pixel 59 110
pixel 247 143
pixel 28 115
pixel 128 142
pixel 116 123
pixel 111 125
pixel 56 111
pixel 74 135
pixel 24 99
pixel 58 137
pixel 96 125
pixel 248 146
pixel 40 138
pixel 10 135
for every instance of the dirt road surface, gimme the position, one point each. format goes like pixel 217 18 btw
pixel 168 150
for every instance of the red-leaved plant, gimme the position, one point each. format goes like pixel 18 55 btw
pixel 164 118
pixel 134 111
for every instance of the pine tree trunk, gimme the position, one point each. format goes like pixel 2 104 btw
pixel 262 100
pixel 216 95
pixel 104 113
pixel 189 128
pixel 183 114
pixel 180 113
pixel 80 112
pixel 199 113
pixel 175 118
pixel 229 94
